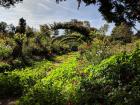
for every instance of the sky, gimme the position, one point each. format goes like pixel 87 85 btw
pixel 38 12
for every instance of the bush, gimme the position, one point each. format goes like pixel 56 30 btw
pixel 4 67
pixel 5 51
pixel 96 52
pixel 115 80
pixel 18 82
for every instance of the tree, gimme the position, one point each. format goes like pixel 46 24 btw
pixel 3 26
pixel 122 32
pixel 29 31
pixel 116 11
pixel 45 30
pixel 86 24
pixel 22 26
pixel 8 3
pixel 103 29
pixel 11 29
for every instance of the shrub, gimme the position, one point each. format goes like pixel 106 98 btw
pixel 96 52
pixel 18 82
pixel 4 67
pixel 115 80
pixel 5 51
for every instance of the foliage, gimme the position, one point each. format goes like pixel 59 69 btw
pixel 5 51
pixel 57 88
pixel 17 82
pixel 115 81
pixel 3 26
pixel 122 32
pixel 73 26
pixel 8 3
pixel 22 26
pixel 95 52
pixel 4 67
pixel 29 32
pixel 103 29
pixel 17 51
pixel 45 30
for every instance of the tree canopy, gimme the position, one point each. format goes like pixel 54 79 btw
pixel 122 32
pixel 78 27
pixel 116 11
pixel 8 3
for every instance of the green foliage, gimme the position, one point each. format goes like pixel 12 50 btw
pixel 19 40
pixel 122 32
pixel 103 30
pixel 45 30
pixel 17 82
pixel 95 52
pixel 4 67
pixel 29 32
pixel 58 88
pixel 115 81
pixel 5 51
pixel 73 26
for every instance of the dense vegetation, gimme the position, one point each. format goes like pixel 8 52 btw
pixel 84 66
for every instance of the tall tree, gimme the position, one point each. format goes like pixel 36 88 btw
pixel 21 28
pixel 117 11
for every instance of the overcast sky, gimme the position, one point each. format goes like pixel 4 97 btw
pixel 38 12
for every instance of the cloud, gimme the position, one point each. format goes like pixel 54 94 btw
pixel 61 6
pixel 44 6
pixel 38 12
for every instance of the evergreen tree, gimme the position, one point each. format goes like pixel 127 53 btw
pixel 22 26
